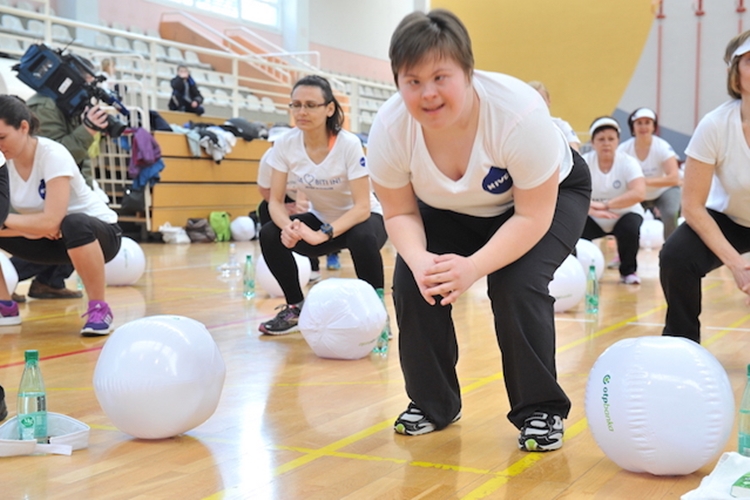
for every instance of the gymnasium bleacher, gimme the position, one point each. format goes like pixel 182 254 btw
pixel 239 73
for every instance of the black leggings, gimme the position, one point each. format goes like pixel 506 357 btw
pixel 77 230
pixel 364 242
pixel 683 262
pixel 521 305
pixel 627 233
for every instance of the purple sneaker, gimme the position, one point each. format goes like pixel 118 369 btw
pixel 99 319
pixel 9 313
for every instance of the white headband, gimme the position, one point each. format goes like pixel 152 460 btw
pixel 66 435
pixel 644 113
pixel 742 49
pixel 604 121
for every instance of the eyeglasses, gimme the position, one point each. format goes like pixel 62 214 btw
pixel 296 106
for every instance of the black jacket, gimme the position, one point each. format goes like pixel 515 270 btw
pixel 178 92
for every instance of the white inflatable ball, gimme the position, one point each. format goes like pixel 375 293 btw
pixel 652 234
pixel 662 405
pixel 9 273
pixel 342 318
pixel 242 228
pixel 128 265
pixel 588 253
pixel 568 285
pixel 159 376
pixel 266 280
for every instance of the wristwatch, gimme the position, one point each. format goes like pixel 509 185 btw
pixel 327 229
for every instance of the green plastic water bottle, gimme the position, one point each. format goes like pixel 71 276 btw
pixel 592 291
pixel 743 445
pixel 248 278
pixel 32 401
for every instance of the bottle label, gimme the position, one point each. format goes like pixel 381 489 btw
pixel 744 444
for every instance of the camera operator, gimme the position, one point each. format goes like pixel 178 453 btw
pixel 77 137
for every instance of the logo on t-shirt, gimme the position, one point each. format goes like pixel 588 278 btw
pixel 363 162
pixel 617 184
pixel 497 181
pixel 42 189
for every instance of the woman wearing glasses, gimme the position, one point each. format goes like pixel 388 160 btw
pixel 330 168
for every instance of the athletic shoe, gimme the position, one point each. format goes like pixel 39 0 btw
pixel 99 319
pixel 614 263
pixel 413 422
pixel 3 407
pixel 541 432
pixel 332 262
pixel 9 313
pixel 41 291
pixel 284 322
pixel 314 277
pixel 630 279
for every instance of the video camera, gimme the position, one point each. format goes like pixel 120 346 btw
pixel 62 77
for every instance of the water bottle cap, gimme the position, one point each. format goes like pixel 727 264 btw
pixel 748 370
pixel 248 258
pixel 31 354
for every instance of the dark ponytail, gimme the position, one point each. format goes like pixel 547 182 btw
pixel 13 111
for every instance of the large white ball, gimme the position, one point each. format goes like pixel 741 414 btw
pixel 652 234
pixel 588 253
pixel 662 405
pixel 9 273
pixel 568 285
pixel 267 282
pixel 342 318
pixel 128 265
pixel 242 228
pixel 159 376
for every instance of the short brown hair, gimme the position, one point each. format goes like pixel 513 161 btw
pixel 733 75
pixel 439 33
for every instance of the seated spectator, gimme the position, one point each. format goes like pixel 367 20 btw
pixel 185 94
pixel 58 219
pixel 617 190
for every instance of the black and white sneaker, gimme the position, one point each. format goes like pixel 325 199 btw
pixel 413 422
pixel 285 321
pixel 541 432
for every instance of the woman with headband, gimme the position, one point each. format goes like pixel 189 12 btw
pixel 715 202
pixel 659 164
pixel 617 190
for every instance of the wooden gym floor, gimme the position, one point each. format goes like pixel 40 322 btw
pixel 290 425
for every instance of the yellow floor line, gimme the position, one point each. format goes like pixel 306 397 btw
pixel 502 477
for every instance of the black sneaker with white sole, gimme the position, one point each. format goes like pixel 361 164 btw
pixel 413 422
pixel 541 432
pixel 285 321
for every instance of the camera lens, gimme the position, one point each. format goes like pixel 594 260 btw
pixel 115 127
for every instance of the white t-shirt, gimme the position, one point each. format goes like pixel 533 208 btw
pixel 605 187
pixel 516 144
pixel 326 184
pixel 718 140
pixel 52 160
pixel 265 171
pixel 653 166
pixel 567 130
